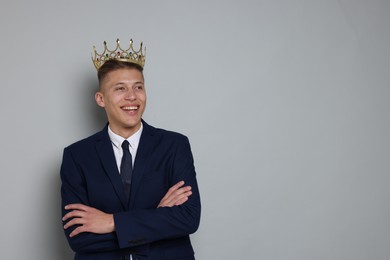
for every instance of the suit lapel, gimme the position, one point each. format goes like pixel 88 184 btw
pixel 107 157
pixel 145 148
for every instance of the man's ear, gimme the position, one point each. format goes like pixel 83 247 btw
pixel 99 99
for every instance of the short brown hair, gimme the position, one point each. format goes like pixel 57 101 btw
pixel 112 65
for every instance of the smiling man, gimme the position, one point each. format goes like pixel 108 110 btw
pixel 122 94
pixel 130 190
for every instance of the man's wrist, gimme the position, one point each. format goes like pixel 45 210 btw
pixel 112 223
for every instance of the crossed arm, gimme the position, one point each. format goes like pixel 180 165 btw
pixel 88 223
pixel 96 221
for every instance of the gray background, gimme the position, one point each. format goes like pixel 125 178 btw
pixel 285 103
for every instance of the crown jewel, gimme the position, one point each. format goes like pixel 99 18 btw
pixel 127 55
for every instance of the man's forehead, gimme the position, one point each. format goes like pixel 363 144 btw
pixel 125 76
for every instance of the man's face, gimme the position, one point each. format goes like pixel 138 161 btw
pixel 122 94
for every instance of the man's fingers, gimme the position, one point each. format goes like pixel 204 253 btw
pixel 73 214
pixel 177 185
pixel 77 231
pixel 181 201
pixel 74 221
pixel 76 210
pixel 177 194
pixel 182 190
pixel 88 219
pixel 174 188
pixel 176 200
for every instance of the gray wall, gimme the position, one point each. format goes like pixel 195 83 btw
pixel 286 104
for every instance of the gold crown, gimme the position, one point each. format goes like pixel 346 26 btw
pixel 127 55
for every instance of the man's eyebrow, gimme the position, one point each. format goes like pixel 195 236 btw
pixel 124 83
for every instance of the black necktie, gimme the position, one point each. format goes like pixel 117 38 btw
pixel 126 168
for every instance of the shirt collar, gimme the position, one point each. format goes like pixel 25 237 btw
pixel 117 140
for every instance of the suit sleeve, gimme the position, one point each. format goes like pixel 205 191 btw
pixel 74 190
pixel 142 226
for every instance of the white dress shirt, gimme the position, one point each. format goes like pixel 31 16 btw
pixel 117 141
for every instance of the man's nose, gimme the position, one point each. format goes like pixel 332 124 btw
pixel 130 95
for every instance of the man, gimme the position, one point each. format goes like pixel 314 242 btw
pixel 129 191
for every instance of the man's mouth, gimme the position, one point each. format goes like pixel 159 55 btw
pixel 130 108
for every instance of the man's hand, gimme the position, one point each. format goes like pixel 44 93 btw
pixel 176 195
pixel 90 220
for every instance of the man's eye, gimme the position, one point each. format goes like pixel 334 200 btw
pixel 120 88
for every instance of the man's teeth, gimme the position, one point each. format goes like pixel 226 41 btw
pixel 130 108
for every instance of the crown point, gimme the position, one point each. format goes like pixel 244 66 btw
pixel 105 43
pixel 117 40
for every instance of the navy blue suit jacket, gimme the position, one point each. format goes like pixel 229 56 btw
pixel 90 176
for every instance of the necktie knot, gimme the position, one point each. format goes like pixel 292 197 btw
pixel 125 145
